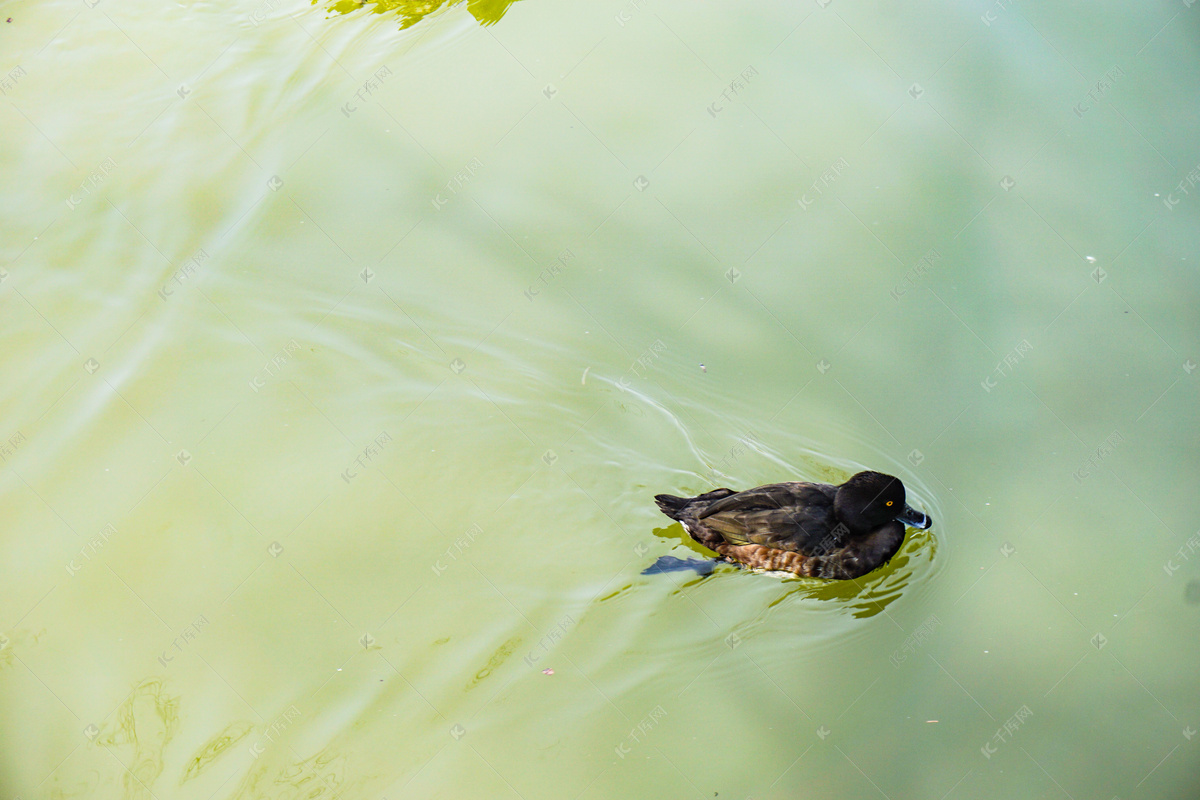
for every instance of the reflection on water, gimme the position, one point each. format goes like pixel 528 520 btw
pixel 410 12
pixel 863 597
pixel 874 592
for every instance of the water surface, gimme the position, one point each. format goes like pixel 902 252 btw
pixel 346 347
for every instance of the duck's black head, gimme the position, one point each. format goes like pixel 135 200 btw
pixel 870 500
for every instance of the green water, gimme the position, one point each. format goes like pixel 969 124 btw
pixel 344 352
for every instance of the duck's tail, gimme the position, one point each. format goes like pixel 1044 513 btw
pixel 686 510
pixel 671 505
pixel 675 507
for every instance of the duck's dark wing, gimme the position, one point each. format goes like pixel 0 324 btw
pixel 788 516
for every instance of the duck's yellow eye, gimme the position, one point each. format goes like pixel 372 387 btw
pixel 889 502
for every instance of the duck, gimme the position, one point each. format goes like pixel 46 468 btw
pixel 815 530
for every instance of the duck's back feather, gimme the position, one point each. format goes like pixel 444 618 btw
pixel 788 516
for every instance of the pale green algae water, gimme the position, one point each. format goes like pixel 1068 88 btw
pixel 343 353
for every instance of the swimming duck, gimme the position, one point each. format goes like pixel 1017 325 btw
pixel 811 529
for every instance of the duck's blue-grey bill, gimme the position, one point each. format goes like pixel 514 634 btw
pixel 915 519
